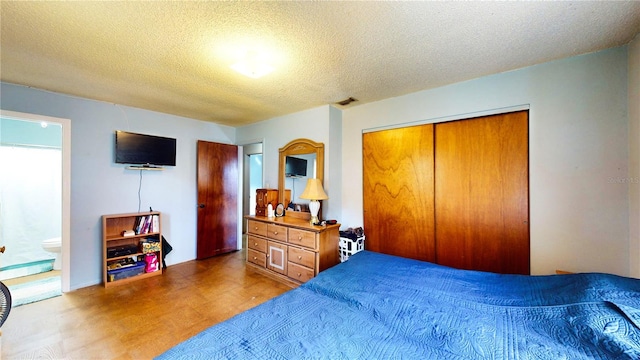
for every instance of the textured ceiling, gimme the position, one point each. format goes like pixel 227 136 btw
pixel 174 57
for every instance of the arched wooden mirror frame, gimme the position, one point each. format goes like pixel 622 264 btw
pixel 300 147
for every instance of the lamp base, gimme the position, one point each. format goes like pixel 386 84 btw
pixel 314 207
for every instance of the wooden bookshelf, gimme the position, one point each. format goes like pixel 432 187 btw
pixel 127 249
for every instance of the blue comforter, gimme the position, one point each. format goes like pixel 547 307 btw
pixel 378 306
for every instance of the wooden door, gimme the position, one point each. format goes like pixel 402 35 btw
pixel 398 192
pixel 482 193
pixel 217 199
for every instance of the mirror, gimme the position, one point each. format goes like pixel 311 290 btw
pixel 280 210
pixel 291 178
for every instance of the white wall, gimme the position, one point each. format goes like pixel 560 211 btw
pixel 578 151
pixel 313 124
pixel 99 186
pixel 334 177
pixel 634 157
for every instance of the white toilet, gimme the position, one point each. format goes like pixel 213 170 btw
pixel 54 245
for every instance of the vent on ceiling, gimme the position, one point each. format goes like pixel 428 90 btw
pixel 346 101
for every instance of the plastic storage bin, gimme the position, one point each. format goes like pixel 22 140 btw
pixel 348 247
pixel 123 273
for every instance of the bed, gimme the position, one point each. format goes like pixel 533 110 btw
pixel 377 306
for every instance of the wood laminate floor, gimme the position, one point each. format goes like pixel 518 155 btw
pixel 139 320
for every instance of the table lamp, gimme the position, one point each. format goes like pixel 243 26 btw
pixel 314 192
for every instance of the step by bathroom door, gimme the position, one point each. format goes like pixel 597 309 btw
pixel 217 176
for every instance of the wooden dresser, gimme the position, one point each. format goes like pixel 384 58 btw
pixel 289 249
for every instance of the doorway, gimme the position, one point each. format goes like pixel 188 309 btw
pixel 34 198
pixel 252 179
pixel 251 176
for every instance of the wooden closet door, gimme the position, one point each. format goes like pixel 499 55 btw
pixel 482 193
pixel 398 192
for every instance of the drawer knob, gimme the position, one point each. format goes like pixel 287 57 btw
pixel 299 257
pixel 299 274
pixel 256 228
pixel 275 233
pixel 299 237
pixel 255 258
pixel 255 244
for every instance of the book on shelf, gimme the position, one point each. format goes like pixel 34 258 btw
pixel 155 223
pixel 139 223
pixel 147 224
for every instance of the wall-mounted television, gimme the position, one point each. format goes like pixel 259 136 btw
pixel 141 149
pixel 295 167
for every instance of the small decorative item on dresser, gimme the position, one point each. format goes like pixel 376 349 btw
pixel 280 210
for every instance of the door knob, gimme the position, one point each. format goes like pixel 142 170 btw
pixel 201 206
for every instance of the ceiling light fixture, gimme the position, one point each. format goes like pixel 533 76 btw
pixel 253 66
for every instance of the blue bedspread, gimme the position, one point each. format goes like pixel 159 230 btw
pixel 378 306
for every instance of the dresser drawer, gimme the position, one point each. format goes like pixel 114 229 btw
pixel 257 227
pixel 257 258
pixel 299 273
pixel 277 232
pixel 303 238
pixel 277 257
pixel 302 257
pixel 256 243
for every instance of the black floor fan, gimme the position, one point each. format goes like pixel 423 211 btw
pixel 5 302
pixel 5 299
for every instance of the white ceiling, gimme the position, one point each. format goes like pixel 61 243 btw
pixel 174 57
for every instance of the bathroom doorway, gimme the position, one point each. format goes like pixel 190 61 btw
pixel 33 200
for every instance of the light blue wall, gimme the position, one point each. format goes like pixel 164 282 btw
pixel 578 143
pixel 313 124
pixel 579 146
pixel 99 186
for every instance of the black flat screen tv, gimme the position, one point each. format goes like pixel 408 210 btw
pixel 148 150
pixel 295 167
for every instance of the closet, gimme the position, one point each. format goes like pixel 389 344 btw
pixel 454 193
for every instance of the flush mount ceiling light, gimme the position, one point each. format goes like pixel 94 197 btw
pixel 252 65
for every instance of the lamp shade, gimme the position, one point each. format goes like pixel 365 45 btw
pixel 314 191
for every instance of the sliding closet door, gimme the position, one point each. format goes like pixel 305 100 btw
pixel 398 192
pixel 482 193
